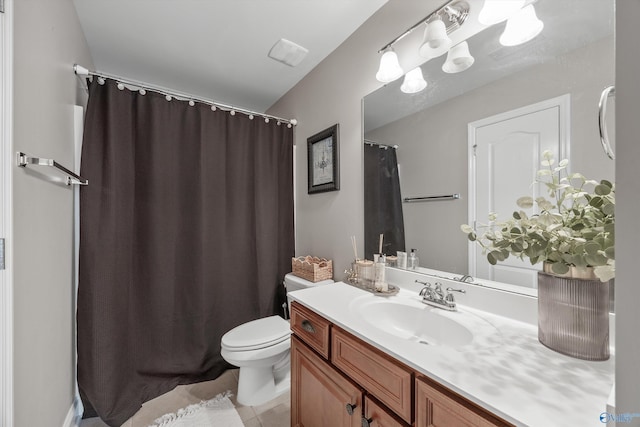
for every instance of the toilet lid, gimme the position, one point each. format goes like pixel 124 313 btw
pixel 257 334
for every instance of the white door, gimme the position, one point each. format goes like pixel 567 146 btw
pixel 505 155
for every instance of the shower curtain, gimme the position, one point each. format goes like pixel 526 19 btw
pixel 382 201
pixel 186 232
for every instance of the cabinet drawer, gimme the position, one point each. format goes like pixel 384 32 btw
pixel 310 328
pixel 376 416
pixel 437 406
pixel 385 379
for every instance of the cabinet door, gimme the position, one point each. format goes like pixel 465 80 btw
pixel 376 372
pixel 320 395
pixel 376 415
pixel 438 407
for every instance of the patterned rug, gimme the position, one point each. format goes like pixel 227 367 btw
pixel 217 412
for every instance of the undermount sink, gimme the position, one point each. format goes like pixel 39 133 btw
pixel 410 319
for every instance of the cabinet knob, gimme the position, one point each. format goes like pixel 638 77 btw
pixel 366 422
pixel 307 326
pixel 351 408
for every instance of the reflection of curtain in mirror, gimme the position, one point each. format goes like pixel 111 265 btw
pixel 382 201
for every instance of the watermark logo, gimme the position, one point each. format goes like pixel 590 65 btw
pixel 626 417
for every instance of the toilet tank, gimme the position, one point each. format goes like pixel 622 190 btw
pixel 294 283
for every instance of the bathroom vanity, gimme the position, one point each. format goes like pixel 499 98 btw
pixel 361 359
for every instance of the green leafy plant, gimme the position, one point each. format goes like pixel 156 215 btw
pixel 575 228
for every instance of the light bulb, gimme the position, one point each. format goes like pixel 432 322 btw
pixel 495 11
pixel 521 27
pixel 413 81
pixel 435 41
pixel 389 68
pixel 458 59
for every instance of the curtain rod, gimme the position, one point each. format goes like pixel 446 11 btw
pixel 379 144
pixel 84 72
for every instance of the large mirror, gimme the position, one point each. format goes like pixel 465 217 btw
pixel 566 67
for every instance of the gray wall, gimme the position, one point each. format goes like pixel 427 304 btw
pixel 433 146
pixel 48 40
pixel 332 93
pixel 627 208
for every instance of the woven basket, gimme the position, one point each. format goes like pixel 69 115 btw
pixel 313 269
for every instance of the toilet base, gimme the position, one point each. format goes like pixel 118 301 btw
pixel 260 385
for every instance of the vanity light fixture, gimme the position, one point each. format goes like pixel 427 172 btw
pixel 521 27
pixel 458 59
pixel 389 67
pixel 413 82
pixel 450 16
pixel 495 11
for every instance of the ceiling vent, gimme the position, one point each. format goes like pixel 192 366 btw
pixel 288 52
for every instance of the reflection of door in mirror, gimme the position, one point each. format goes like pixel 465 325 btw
pixel 505 152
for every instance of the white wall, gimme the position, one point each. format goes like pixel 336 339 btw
pixel 48 40
pixel 332 93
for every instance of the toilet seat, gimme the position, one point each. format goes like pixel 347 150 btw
pixel 257 334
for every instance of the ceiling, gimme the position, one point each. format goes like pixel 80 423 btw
pixel 216 49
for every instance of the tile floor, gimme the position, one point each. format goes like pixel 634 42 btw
pixel 275 413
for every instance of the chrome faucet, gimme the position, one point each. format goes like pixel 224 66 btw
pixel 435 297
pixel 465 279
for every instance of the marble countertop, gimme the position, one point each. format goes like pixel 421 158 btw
pixel 504 370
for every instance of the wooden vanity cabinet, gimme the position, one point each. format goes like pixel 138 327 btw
pixel 310 328
pixel 376 415
pixel 380 375
pixel 338 380
pixel 320 395
pixel 437 406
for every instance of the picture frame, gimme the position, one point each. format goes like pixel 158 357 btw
pixel 323 161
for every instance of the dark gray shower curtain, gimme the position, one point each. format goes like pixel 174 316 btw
pixel 186 230
pixel 382 201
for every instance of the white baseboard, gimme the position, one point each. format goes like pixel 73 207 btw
pixel 74 416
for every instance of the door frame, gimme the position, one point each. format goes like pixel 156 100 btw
pixel 6 229
pixel 563 102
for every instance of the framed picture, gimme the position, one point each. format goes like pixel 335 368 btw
pixel 322 155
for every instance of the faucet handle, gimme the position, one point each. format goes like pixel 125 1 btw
pixel 426 290
pixel 450 298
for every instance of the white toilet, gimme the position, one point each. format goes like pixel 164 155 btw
pixel 260 348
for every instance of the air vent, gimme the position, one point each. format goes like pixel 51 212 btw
pixel 288 52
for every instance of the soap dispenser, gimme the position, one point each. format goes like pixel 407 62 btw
pixel 412 263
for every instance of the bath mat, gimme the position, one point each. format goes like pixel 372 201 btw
pixel 217 412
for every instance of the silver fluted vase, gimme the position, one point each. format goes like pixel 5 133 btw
pixel 573 315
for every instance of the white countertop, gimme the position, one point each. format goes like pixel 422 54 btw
pixel 508 373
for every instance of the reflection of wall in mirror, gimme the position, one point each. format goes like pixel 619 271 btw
pixel 433 155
